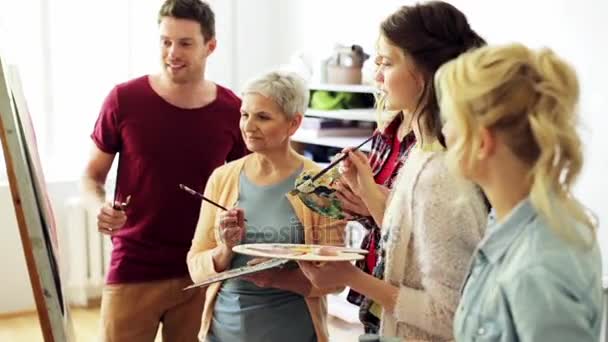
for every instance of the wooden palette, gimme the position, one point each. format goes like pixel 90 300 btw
pixel 240 271
pixel 300 252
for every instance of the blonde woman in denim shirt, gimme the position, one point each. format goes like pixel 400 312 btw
pixel 510 127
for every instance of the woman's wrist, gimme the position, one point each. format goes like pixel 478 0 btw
pixel 375 201
pixel 351 276
pixel 221 257
pixel 365 186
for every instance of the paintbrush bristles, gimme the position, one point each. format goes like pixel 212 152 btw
pixel 188 190
pixel 198 194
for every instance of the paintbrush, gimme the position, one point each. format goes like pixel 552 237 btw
pixel 117 205
pixel 198 194
pixel 310 182
pixel 121 205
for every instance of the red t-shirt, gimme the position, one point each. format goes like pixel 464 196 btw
pixel 160 147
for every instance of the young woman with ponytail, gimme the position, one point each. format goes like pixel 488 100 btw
pixel 426 237
pixel 510 126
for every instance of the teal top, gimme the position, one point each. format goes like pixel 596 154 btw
pixel 526 283
pixel 245 312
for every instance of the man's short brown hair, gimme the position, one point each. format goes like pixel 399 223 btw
pixel 196 10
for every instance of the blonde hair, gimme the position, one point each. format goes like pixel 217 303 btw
pixel 531 97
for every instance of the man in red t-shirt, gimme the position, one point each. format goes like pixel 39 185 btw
pixel 170 128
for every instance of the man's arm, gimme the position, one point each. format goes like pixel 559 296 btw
pixel 94 178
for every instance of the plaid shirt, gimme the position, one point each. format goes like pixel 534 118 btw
pixel 382 147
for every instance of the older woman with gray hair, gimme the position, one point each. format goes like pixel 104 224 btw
pixel 279 304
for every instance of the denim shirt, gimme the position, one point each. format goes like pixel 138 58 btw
pixel 525 283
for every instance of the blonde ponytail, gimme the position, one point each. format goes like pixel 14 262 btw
pixel 553 121
pixel 532 98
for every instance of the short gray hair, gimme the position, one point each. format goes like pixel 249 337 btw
pixel 287 89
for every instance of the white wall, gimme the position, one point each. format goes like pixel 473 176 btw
pixel 246 46
pixel 16 294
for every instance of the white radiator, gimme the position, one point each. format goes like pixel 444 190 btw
pixel 88 254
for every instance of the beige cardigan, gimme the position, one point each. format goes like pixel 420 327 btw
pixel 440 219
pixel 223 188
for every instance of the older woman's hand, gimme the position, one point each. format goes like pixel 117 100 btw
pixel 329 274
pixel 262 279
pixel 356 172
pixel 232 227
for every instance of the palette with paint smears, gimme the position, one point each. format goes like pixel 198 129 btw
pixel 300 252
pixel 320 196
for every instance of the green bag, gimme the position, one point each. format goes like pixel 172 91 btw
pixel 329 100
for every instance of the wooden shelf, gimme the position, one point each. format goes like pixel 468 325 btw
pixel 340 142
pixel 348 88
pixel 363 114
